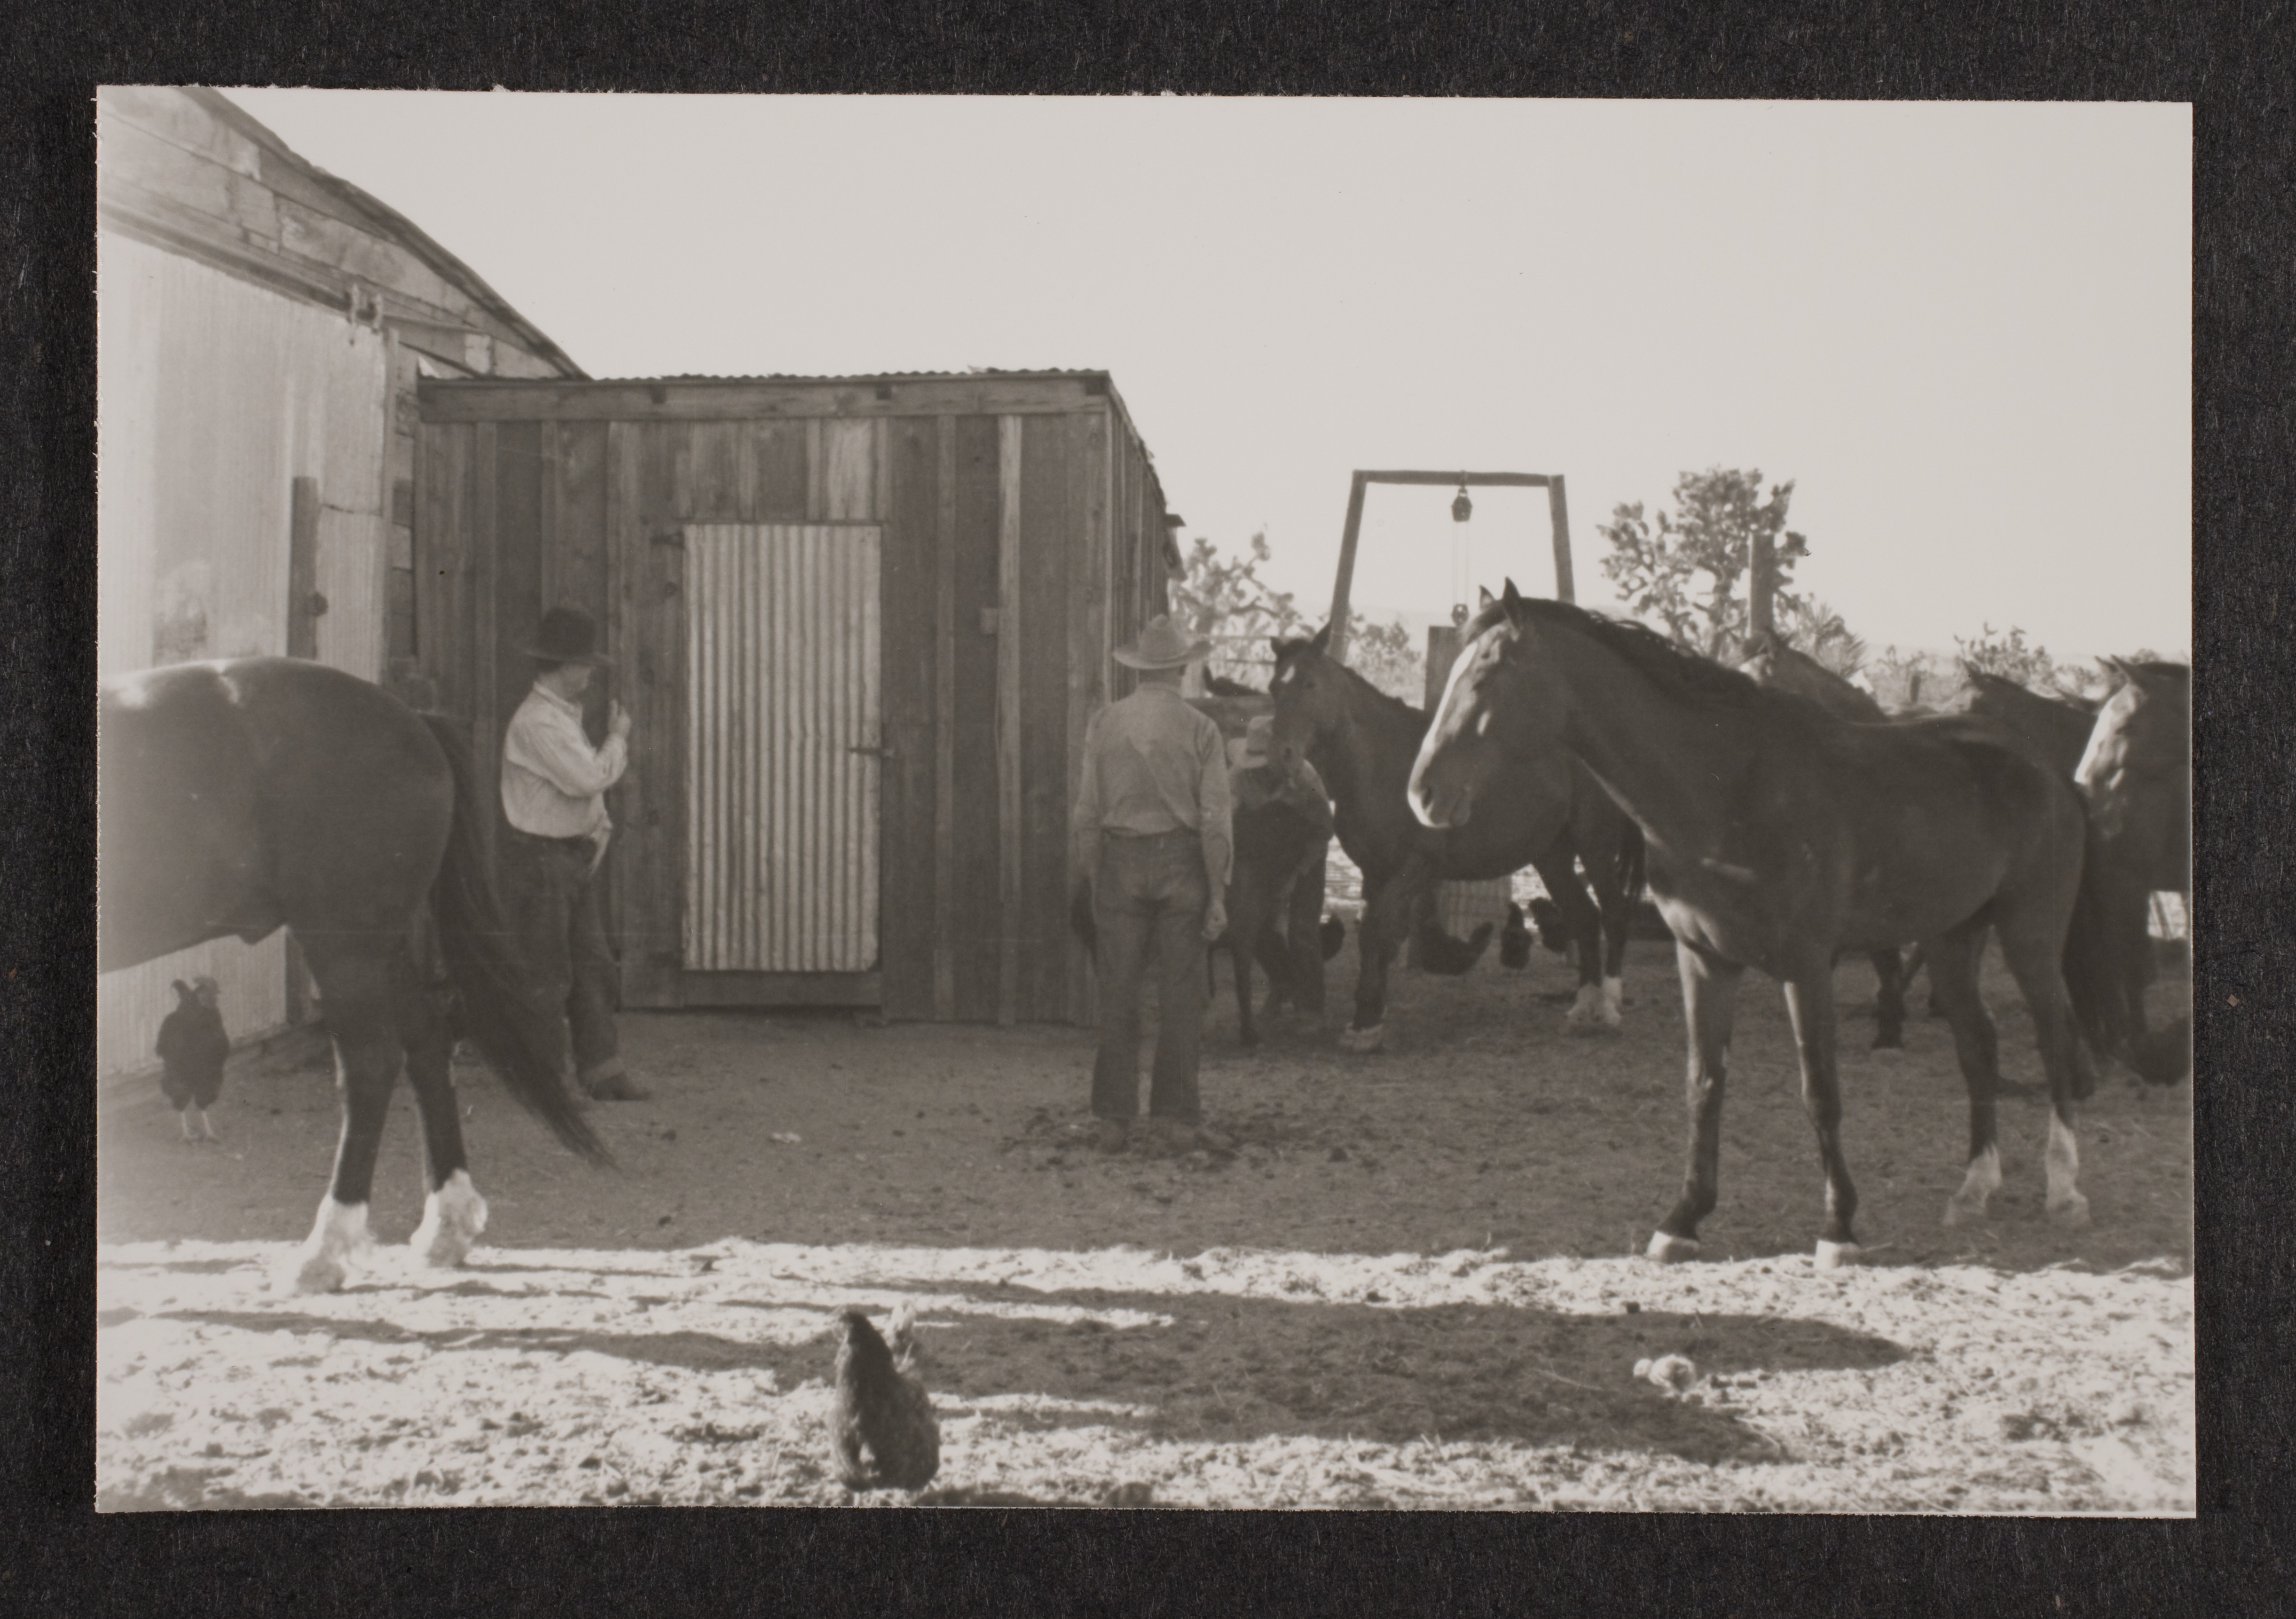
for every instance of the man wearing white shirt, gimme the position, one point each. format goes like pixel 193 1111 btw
pixel 553 786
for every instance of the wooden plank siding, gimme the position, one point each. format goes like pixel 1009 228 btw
pixel 1018 547
pixel 976 925
pixel 911 472
pixel 1048 532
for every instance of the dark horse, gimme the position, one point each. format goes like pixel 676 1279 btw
pixel 237 797
pixel 1543 814
pixel 2136 771
pixel 1787 668
pixel 1779 836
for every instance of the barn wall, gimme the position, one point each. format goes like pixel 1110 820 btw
pixel 1017 547
pixel 215 397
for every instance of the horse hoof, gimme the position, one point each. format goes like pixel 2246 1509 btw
pixel 453 1216
pixel 1364 1039
pixel 1671 1250
pixel 316 1273
pixel 1836 1256
pixel 339 1237
pixel 2071 1215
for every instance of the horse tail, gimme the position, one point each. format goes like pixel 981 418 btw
pixel 501 1018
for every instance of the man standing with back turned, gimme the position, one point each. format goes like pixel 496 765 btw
pixel 1151 827
pixel 553 786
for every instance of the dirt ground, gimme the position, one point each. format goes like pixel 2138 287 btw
pixel 1416 1282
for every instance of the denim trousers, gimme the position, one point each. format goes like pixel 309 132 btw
pixel 551 902
pixel 1149 896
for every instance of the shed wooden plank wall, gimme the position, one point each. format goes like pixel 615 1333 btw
pixel 584 507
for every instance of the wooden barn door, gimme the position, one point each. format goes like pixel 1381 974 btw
pixel 784 750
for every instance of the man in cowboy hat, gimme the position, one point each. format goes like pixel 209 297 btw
pixel 553 786
pixel 1150 828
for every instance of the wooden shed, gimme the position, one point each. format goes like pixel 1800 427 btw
pixel 859 623
pixel 260 328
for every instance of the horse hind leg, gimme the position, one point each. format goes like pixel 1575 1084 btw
pixel 1953 961
pixel 367 1058
pixel 2033 962
pixel 454 1214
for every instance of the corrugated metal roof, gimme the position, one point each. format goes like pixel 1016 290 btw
pixel 388 222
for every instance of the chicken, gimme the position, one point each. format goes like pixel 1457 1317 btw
pixel 882 1433
pixel 192 1049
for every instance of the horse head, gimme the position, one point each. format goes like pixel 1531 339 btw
pixel 2141 744
pixel 1499 703
pixel 1310 694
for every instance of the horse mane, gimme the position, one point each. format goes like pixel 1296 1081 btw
pixel 1986 680
pixel 1674 669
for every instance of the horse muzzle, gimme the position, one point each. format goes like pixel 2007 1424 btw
pixel 1440 803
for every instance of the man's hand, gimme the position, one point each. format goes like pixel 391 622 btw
pixel 1215 920
pixel 618 720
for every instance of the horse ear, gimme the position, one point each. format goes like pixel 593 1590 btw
pixel 1483 597
pixel 1513 597
pixel 1321 641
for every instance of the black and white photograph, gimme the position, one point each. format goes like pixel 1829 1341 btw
pixel 1143 801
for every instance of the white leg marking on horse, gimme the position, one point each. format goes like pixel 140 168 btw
pixel 1671 1250
pixel 184 1120
pixel 2067 1206
pixel 1977 1187
pixel 453 1216
pixel 1836 1256
pixel 206 1125
pixel 1614 1001
pixel 1364 1039
pixel 1585 1014
pixel 338 1239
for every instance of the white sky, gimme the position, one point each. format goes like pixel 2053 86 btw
pixel 1963 330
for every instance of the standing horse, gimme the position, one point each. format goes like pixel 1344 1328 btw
pixel 2135 770
pixel 237 797
pixel 1787 668
pixel 1779 836
pixel 1543 814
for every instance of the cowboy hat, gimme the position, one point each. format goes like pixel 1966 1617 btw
pixel 568 636
pixel 1161 645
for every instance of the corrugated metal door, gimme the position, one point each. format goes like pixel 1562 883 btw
pixel 782 747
